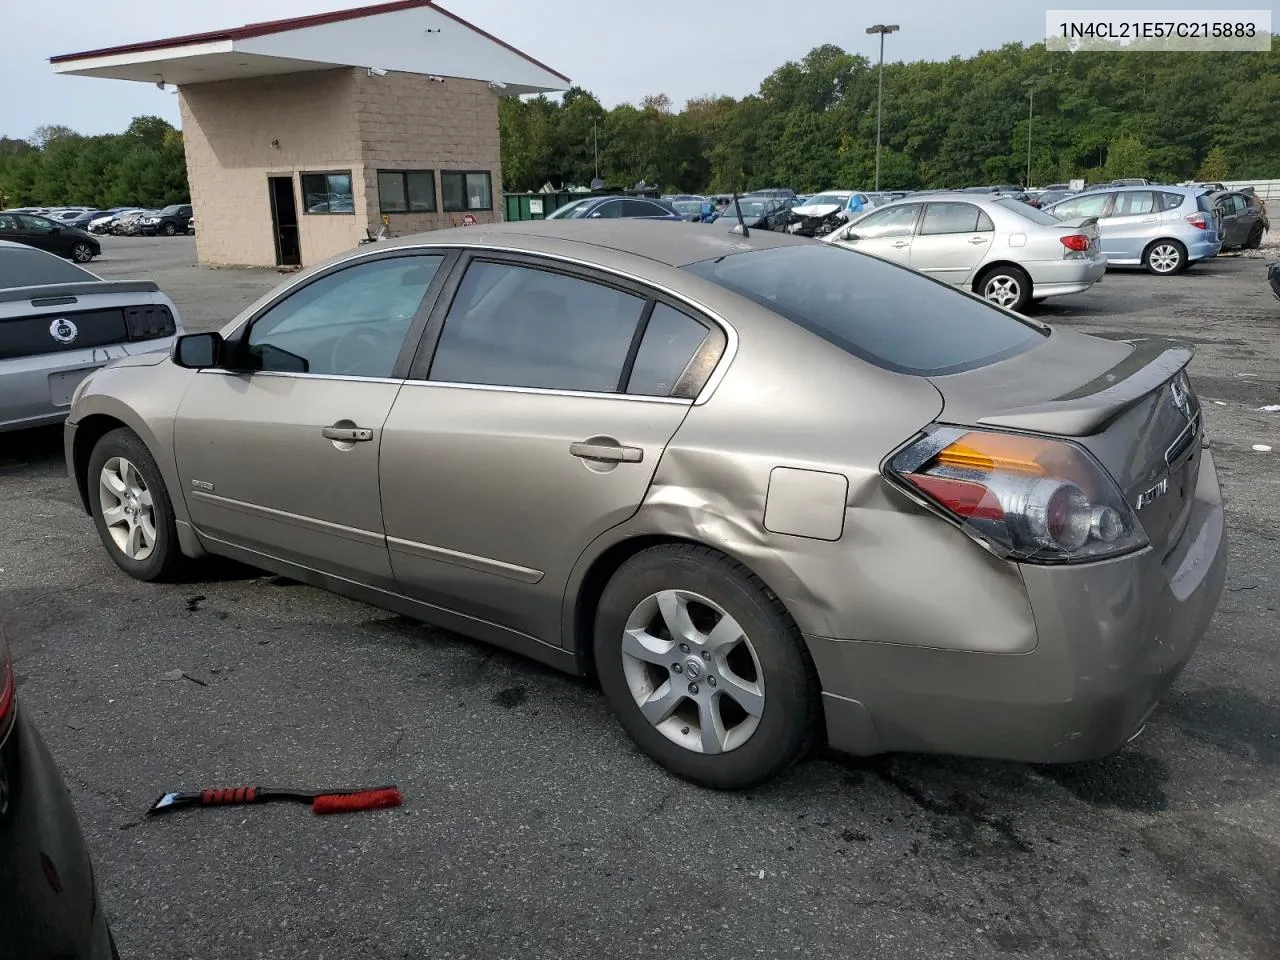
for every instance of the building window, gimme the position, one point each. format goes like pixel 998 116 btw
pixel 466 189
pixel 407 191
pixel 328 192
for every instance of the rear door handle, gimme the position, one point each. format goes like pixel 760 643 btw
pixel 615 453
pixel 903 243
pixel 977 240
pixel 349 434
pixel 1151 220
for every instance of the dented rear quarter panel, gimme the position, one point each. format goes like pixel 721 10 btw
pixel 897 573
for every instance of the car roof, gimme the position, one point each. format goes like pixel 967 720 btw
pixel 669 243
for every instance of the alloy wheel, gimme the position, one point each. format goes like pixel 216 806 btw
pixel 127 508
pixel 1003 290
pixel 1165 258
pixel 692 671
pixel 81 253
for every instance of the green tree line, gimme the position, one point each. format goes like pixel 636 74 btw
pixel 145 166
pixel 811 125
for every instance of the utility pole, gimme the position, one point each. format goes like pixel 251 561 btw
pixel 881 29
pixel 1031 113
pixel 596 138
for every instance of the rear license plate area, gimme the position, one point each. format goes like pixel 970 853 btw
pixel 63 384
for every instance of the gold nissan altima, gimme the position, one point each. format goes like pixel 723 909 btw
pixel 769 491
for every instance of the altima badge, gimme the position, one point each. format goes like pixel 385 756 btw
pixel 1154 494
pixel 63 330
pixel 204 485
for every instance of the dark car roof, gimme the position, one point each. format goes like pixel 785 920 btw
pixel 675 245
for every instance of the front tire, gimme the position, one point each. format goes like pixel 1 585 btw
pixel 169 230
pixel 1255 238
pixel 704 668
pixel 1164 258
pixel 1005 286
pixel 81 252
pixel 131 507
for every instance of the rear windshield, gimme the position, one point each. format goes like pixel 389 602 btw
pixel 22 267
pixel 883 313
pixel 1029 212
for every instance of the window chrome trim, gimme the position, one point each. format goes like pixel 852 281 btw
pixel 299 376
pixel 708 389
pixel 549 391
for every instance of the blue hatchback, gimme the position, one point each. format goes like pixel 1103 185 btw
pixel 1165 229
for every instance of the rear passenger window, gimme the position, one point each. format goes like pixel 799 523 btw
pixel 516 326
pixel 1134 203
pixel 670 343
pixel 950 218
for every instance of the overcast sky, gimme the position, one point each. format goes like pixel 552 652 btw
pixel 684 48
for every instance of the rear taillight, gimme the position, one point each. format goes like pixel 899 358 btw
pixel 1075 243
pixel 1026 498
pixel 1198 220
pixel 6 687
pixel 150 322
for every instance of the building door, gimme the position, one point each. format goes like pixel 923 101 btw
pixel 284 221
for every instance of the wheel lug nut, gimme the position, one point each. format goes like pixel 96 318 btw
pixel 684 648
pixel 676 668
pixel 706 655
pixel 711 681
pixel 693 688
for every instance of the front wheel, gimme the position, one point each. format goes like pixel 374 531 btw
pixel 1255 238
pixel 1165 258
pixel 81 252
pixel 704 668
pixel 1005 286
pixel 131 507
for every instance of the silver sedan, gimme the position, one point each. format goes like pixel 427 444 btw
pixel 1000 248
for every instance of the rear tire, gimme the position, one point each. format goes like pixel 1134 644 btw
pixel 81 252
pixel 1164 258
pixel 1005 286
pixel 730 695
pixel 131 508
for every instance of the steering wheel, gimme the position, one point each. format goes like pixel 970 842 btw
pixel 357 352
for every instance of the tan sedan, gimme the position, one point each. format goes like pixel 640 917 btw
pixel 769 491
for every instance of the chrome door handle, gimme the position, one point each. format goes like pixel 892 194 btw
pixel 1151 220
pixel 348 434
pixel 977 240
pixel 903 243
pixel 614 453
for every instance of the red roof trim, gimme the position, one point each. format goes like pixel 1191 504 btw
pixel 294 23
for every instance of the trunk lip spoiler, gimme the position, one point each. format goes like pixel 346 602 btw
pixel 1089 408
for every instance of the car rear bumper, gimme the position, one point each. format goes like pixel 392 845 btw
pixel 47 883
pixel 35 391
pixel 1203 249
pixel 1111 638
pixel 1056 278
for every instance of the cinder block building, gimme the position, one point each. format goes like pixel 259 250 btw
pixel 303 134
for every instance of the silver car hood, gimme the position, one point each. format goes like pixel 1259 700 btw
pixel 817 210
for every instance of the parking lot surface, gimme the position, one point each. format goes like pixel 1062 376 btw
pixel 532 827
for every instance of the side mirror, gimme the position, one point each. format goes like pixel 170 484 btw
pixel 595 215
pixel 849 235
pixel 198 351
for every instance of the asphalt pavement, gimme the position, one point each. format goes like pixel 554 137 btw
pixel 532 827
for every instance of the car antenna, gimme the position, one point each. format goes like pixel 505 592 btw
pixel 741 229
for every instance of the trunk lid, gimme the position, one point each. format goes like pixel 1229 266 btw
pixel 1089 227
pixel 1129 404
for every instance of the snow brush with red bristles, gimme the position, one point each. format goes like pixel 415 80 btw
pixel 322 801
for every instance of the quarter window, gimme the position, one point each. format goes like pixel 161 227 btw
pixel 1169 201
pixel 406 191
pixel 352 322
pixel 516 326
pixel 671 341
pixel 328 192
pixel 467 190
pixel 950 218
pixel 893 222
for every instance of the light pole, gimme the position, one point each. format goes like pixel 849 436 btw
pixel 881 29
pixel 1031 112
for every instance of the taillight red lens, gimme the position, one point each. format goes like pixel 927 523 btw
pixel 6 686
pixel 1028 498
pixel 1198 221
pixel 1076 241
